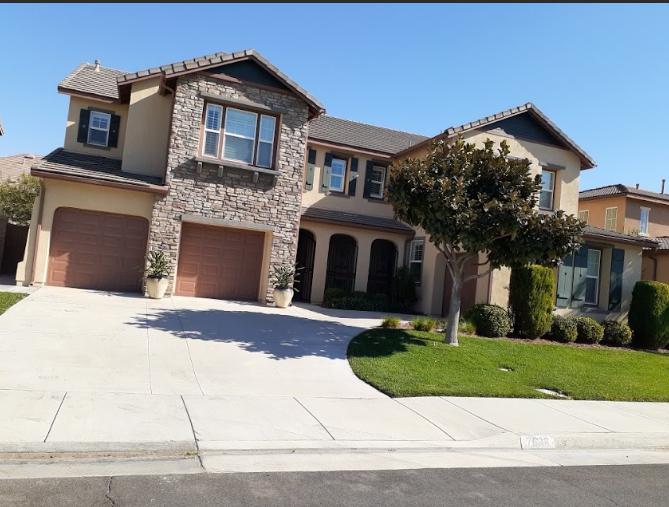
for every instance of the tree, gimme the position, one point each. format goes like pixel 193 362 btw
pixel 17 198
pixel 470 200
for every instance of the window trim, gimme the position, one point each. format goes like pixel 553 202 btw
pixel 271 143
pixel 606 219
pixel 91 127
pixel 343 176
pixel 219 131
pixel 382 182
pixel 585 212
pixel 552 190
pixel 598 278
pixel 641 210
pixel 412 259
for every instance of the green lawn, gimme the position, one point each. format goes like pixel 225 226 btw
pixel 8 299
pixel 413 363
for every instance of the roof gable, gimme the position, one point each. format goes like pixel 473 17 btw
pixel 524 126
pixel 249 71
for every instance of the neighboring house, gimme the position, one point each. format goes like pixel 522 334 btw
pixel 633 211
pixel 15 165
pixel 231 168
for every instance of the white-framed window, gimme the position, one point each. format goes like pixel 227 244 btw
pixel 644 215
pixel 377 182
pixel 239 135
pixel 592 277
pixel 98 128
pixel 611 219
pixel 584 215
pixel 337 174
pixel 547 189
pixel 265 141
pixel 212 130
pixel 416 253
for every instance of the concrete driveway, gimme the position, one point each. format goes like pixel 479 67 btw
pixel 77 340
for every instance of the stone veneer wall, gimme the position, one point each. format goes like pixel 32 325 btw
pixel 234 196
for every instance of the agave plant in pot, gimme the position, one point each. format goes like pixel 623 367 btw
pixel 283 278
pixel 156 275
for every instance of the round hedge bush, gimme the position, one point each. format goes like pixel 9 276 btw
pixel 649 315
pixel 589 330
pixel 492 321
pixel 616 333
pixel 564 329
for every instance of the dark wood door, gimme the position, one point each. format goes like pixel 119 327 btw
pixel 306 251
pixel 95 250
pixel 382 262
pixel 342 257
pixel 219 262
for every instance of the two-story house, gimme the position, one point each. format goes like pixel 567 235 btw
pixel 632 211
pixel 231 168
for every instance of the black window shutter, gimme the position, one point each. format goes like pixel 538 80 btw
pixel 325 179
pixel 616 279
pixel 311 163
pixel 353 177
pixel 114 125
pixel 368 178
pixel 82 133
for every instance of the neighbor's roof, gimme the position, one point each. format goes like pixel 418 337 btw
pixel 593 232
pixel 619 189
pixel 62 164
pixel 361 135
pixel 662 242
pixel 15 165
pixel 86 80
pixel 364 221
pixel 587 162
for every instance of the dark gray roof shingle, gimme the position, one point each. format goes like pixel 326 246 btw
pixel 67 163
pixel 619 189
pixel 340 217
pixel 599 233
pixel 662 242
pixel 361 135
pixel 85 79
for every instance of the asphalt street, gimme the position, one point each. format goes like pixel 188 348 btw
pixel 578 486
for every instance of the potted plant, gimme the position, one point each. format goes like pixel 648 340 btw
pixel 283 278
pixel 156 275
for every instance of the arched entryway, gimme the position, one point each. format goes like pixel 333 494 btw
pixel 382 262
pixel 306 250
pixel 342 257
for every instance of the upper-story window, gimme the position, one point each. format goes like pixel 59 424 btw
pixel 238 135
pixel 416 252
pixel 377 182
pixel 547 195
pixel 337 174
pixel 643 221
pixel 611 219
pixel 584 215
pixel 98 130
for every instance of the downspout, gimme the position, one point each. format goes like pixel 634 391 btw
pixel 38 231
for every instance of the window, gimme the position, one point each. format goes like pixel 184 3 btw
pixel 416 251
pixel 98 129
pixel 337 174
pixel 547 189
pixel 592 277
pixel 377 182
pixel 643 221
pixel 610 219
pixel 584 215
pixel 238 135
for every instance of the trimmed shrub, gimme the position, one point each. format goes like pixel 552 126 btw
pixel 649 315
pixel 332 295
pixel 564 329
pixel 391 322
pixel 531 300
pixel 424 324
pixel 490 320
pixel 342 300
pixel 589 330
pixel 616 333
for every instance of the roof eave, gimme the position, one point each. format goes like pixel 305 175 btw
pixel 75 93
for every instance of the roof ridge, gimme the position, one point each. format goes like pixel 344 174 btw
pixel 618 185
pixel 373 126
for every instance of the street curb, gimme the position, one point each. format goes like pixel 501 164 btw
pixel 65 450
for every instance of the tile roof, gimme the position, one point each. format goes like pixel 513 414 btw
pixel 599 233
pixel 619 189
pixel 662 242
pixel 361 135
pixel 367 221
pixel 13 166
pixel 69 164
pixel 85 79
pixel 587 162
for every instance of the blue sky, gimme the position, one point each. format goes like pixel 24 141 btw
pixel 601 72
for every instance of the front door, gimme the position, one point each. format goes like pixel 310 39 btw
pixel 382 262
pixel 342 257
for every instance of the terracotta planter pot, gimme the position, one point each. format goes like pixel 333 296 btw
pixel 156 287
pixel 283 297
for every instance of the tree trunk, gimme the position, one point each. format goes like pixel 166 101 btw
pixel 454 311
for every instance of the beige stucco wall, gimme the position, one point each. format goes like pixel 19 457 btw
pixel 72 126
pixel 655 266
pixel 597 211
pixel 74 195
pixel 145 147
pixel 364 238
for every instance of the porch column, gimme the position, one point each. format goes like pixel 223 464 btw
pixel 320 265
pixel 362 264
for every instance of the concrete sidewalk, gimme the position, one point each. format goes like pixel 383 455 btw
pixel 230 433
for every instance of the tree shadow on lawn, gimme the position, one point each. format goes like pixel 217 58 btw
pixel 275 335
pixel 382 343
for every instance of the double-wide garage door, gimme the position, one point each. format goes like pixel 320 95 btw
pixel 95 250
pixel 219 262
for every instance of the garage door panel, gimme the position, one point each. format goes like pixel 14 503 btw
pixel 96 250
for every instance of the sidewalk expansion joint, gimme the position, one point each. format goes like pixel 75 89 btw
pixel 396 400
pixel 54 417
pixel 316 418
pixel 192 428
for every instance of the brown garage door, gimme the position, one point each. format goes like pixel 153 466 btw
pixel 94 250
pixel 219 262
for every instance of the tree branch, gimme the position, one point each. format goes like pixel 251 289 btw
pixel 481 275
